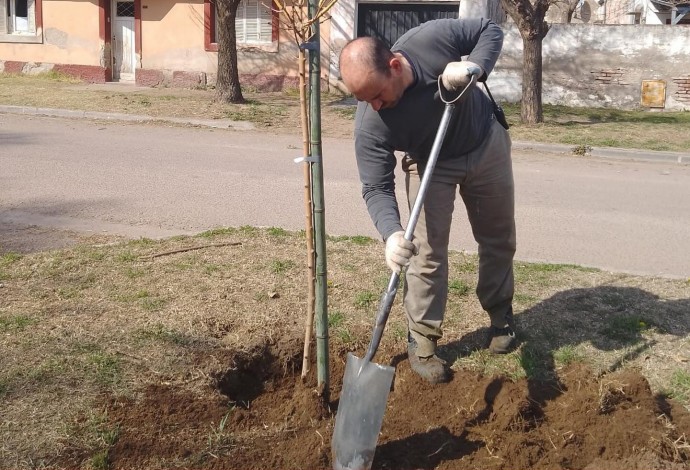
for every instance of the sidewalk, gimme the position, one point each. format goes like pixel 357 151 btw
pixel 596 152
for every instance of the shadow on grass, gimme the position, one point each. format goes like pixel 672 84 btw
pixel 607 318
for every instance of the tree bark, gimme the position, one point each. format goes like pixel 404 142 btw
pixel 532 111
pixel 529 15
pixel 228 87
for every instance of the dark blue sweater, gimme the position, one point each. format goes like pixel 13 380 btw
pixel 412 124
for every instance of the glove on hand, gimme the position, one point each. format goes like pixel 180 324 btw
pixel 457 75
pixel 399 250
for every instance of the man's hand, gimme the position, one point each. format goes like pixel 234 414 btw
pixel 399 250
pixel 457 75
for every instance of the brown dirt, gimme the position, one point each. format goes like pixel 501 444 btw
pixel 276 421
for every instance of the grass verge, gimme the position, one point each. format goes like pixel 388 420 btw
pixel 117 333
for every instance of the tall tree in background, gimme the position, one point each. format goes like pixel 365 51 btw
pixel 228 87
pixel 566 9
pixel 529 15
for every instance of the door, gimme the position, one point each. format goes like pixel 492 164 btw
pixel 123 41
pixel 389 21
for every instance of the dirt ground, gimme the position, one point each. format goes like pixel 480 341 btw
pixel 274 420
pixel 230 407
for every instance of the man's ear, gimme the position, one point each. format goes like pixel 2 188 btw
pixel 395 65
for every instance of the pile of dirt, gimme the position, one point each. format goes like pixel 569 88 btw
pixel 258 414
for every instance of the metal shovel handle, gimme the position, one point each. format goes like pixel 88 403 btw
pixel 386 302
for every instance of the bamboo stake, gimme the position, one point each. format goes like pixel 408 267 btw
pixel 308 217
pixel 304 29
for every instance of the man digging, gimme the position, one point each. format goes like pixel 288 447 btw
pixel 400 110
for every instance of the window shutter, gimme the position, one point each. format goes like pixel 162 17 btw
pixel 31 4
pixel 252 25
pixel 254 22
pixel 3 16
pixel 266 20
pixel 240 21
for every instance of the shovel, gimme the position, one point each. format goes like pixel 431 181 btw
pixel 366 384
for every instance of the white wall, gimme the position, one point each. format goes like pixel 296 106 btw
pixel 578 58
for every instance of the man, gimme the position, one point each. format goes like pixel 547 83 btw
pixel 400 110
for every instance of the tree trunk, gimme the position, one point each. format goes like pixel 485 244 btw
pixel 529 18
pixel 532 111
pixel 228 87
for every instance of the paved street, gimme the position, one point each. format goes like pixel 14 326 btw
pixel 156 180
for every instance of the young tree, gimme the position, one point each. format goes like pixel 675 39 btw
pixel 529 15
pixel 228 87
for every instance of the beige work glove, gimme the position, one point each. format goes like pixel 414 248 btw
pixel 399 250
pixel 457 75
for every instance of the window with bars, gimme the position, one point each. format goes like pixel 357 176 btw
pixel 125 9
pixel 18 17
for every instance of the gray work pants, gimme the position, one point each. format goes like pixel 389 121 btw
pixel 485 181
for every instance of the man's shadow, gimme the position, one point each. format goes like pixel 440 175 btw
pixel 612 319
pixel 607 318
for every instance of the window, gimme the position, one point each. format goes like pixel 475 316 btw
pixel 19 20
pixel 255 24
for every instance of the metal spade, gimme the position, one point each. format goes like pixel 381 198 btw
pixel 366 385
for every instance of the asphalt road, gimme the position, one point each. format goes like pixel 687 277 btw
pixel 156 181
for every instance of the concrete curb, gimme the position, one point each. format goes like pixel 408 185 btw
pixel 606 152
pixel 69 113
pixel 559 149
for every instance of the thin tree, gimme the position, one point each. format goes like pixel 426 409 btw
pixel 295 19
pixel 228 88
pixel 529 15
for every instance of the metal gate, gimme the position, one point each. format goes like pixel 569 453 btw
pixel 389 21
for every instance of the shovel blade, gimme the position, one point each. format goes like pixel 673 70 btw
pixel 360 413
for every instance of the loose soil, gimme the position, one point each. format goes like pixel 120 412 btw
pixel 274 420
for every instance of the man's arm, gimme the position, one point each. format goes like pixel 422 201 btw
pixel 376 163
pixel 487 38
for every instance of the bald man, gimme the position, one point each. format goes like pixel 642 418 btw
pixel 400 110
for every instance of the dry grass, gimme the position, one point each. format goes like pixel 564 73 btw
pixel 108 319
pixel 580 127
pixel 271 111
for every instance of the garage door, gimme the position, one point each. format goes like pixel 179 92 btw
pixel 388 21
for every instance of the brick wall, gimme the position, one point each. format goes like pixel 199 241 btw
pixel 682 92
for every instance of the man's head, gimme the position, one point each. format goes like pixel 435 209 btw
pixel 373 73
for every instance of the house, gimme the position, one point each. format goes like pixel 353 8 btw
pixel 147 42
pixel 173 42
pixel 605 60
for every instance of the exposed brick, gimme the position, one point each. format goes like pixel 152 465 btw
pixel 269 82
pixel 147 77
pixel 87 73
pixel 12 66
pixel 188 79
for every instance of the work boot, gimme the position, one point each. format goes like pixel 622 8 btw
pixel 501 340
pixel 432 368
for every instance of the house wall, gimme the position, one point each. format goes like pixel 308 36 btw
pixel 172 37
pixel 172 47
pixel 600 65
pixel 63 43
